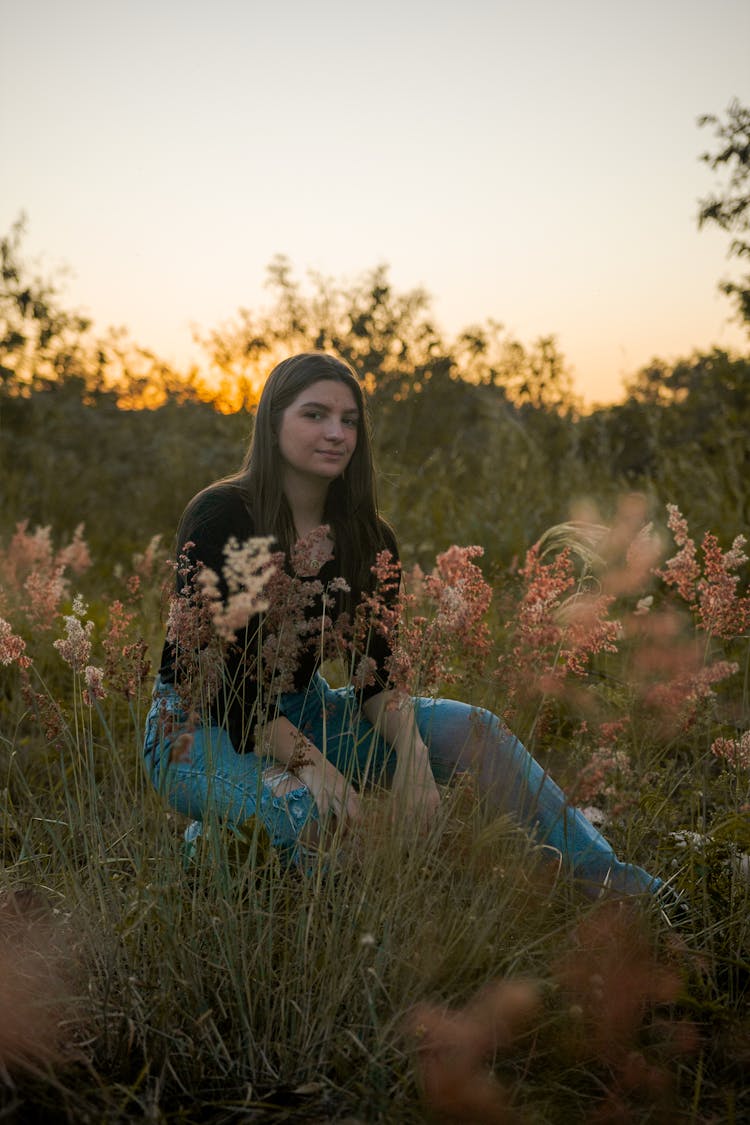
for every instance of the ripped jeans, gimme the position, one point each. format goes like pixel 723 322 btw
pixel 213 779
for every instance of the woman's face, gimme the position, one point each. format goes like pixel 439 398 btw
pixel 318 432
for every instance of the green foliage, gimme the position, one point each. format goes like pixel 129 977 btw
pixel 681 436
pixel 730 208
pixel 227 987
pixel 478 440
pixel 389 337
pixel 39 339
pixel 125 474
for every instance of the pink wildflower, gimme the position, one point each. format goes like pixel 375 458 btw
pixel 198 657
pixel 26 551
pixel 586 630
pixel 34 574
pixel 364 673
pixel 608 776
pixel 720 611
pixel 247 570
pixel 711 592
pixel 383 609
pixel 75 646
pixel 435 633
pixel 312 551
pixel 281 659
pixel 144 564
pixel 616 983
pixel 12 647
pixel 554 634
pixel 46 709
pixel 289 626
pixel 609 732
pixel 338 586
pixel 460 593
pixel 75 556
pixel 633 537
pixel 45 590
pixel 682 571
pixel 736 751
pixel 126 664
pixel 188 621
pixel 454 1046
pixel 681 697
pixel 94 678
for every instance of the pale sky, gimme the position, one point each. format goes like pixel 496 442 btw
pixel 535 162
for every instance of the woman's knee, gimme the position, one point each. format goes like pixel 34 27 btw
pixel 169 732
pixel 458 729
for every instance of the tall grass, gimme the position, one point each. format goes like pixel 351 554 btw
pixel 454 972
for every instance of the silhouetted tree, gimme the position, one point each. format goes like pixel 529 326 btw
pixel 681 435
pixel 39 339
pixel 730 208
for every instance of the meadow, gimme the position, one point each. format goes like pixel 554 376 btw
pixel 582 574
pixel 452 974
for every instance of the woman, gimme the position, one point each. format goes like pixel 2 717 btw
pixel 294 757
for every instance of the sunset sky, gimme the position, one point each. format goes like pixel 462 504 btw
pixel 532 162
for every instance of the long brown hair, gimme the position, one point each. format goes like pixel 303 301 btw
pixel 351 506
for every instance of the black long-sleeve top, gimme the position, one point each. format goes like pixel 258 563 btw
pixel 215 515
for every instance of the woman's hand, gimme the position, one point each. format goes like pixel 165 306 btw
pixel 331 791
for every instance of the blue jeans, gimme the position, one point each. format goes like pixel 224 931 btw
pixel 214 779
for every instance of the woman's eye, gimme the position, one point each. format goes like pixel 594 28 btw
pixel 350 422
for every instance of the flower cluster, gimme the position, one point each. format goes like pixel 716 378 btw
pixel 75 646
pixel 735 751
pixel 198 655
pixel 48 712
pixel 300 617
pixel 12 647
pixel 454 1046
pixel 312 551
pixel 682 570
pixel 145 563
pixel 682 696
pixel 288 627
pixel 256 608
pixel 535 630
pixel 614 1020
pixel 554 631
pixel 606 777
pixel 247 570
pixel 616 989
pixel 710 591
pixel 126 663
pixel 94 689
pixel 586 630
pixel 382 612
pixel 436 629
pixel 32 573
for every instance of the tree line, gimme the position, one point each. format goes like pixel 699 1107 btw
pixel 479 439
